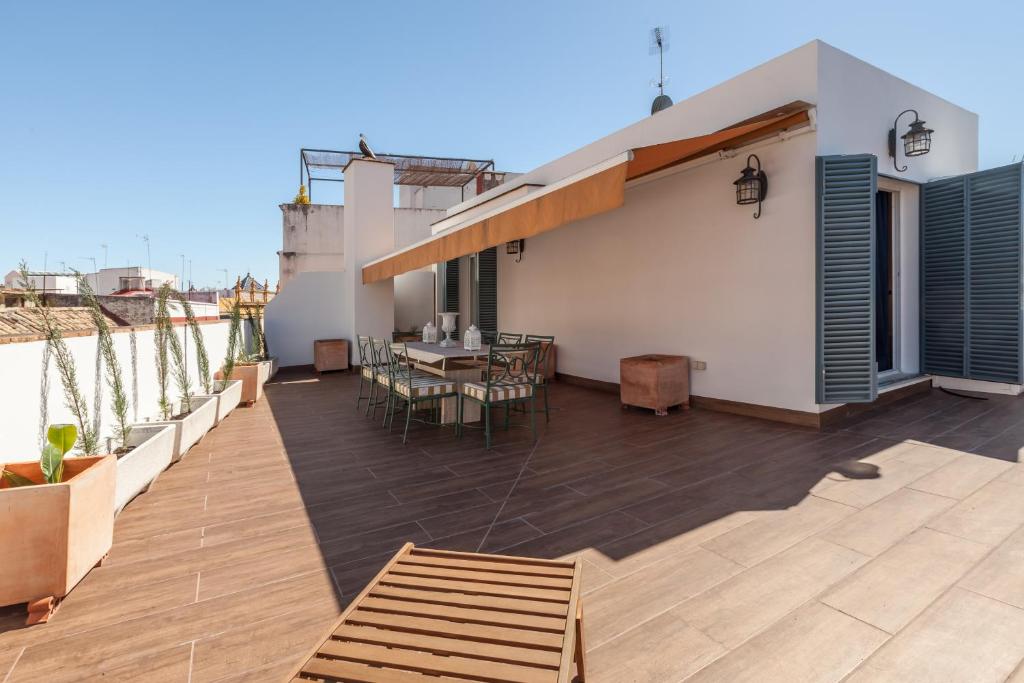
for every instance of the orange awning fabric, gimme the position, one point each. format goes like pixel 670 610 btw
pixel 588 195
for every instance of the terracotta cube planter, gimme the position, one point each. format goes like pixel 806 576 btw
pixel 51 535
pixel 330 354
pixel 193 426
pixel 252 384
pixel 655 381
pixel 138 468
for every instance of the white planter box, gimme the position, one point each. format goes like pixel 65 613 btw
pixel 268 368
pixel 138 468
pixel 227 399
pixel 189 430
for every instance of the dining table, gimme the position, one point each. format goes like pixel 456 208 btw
pixel 455 363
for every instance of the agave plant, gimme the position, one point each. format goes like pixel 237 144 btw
pixel 73 398
pixel 60 439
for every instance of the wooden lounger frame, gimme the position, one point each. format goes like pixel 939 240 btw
pixel 436 616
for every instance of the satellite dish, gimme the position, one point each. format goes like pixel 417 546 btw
pixel 660 103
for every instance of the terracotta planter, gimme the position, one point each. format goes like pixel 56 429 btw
pixel 227 398
pixel 191 428
pixel 53 534
pixel 138 468
pixel 330 354
pixel 252 385
pixel 655 381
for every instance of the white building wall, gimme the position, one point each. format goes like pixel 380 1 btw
pixel 858 102
pixel 21 365
pixel 312 240
pixel 682 269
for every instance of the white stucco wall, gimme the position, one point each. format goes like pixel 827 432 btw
pixel 858 102
pixel 313 306
pixel 312 239
pixel 22 398
pixel 682 269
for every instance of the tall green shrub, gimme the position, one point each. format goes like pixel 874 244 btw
pixel 179 366
pixel 115 380
pixel 258 345
pixel 202 360
pixel 88 440
pixel 163 368
pixel 234 334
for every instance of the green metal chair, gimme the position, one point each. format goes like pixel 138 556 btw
pixel 380 375
pixel 541 380
pixel 365 370
pixel 412 387
pixel 508 338
pixel 511 371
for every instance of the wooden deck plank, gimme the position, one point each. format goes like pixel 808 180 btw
pixel 488 566
pixel 424 662
pixel 453 573
pixel 471 588
pixel 464 614
pixel 444 645
pixel 428 625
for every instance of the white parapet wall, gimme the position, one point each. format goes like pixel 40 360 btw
pixel 29 402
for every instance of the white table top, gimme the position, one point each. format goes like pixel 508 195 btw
pixel 432 353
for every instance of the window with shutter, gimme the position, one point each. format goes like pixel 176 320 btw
pixel 487 290
pixel 846 188
pixel 971 276
pixel 451 286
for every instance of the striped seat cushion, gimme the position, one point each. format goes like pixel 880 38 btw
pixel 420 387
pixel 366 371
pixel 505 391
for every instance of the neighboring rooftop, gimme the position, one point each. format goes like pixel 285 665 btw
pixel 422 171
pixel 28 321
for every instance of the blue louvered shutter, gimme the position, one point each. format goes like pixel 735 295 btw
pixel 943 278
pixel 971 276
pixel 487 289
pixel 846 188
pixel 451 286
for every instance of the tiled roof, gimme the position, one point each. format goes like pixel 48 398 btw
pixel 28 321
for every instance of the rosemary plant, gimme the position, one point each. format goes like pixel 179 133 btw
pixel 179 365
pixel 202 360
pixel 87 438
pixel 163 371
pixel 115 380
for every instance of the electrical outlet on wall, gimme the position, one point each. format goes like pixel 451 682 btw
pixel 699 364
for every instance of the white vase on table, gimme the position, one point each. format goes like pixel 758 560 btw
pixel 448 326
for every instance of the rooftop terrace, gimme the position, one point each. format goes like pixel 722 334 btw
pixel 715 546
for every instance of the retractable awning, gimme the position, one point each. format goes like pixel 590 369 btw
pixel 595 190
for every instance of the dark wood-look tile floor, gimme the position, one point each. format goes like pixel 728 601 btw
pixel 715 547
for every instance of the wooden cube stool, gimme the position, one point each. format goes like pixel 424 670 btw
pixel 655 381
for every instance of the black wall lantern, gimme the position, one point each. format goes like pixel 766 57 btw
pixel 752 187
pixel 916 141
pixel 516 248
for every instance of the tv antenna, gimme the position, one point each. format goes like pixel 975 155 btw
pixel 659 44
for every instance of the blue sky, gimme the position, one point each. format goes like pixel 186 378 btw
pixel 183 120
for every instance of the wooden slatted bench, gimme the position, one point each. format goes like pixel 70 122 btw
pixel 436 616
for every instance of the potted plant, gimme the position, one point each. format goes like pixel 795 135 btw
pixel 142 451
pixel 192 416
pixel 226 391
pixel 260 353
pixel 57 522
pixel 238 366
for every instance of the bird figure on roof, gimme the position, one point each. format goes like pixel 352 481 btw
pixel 365 148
